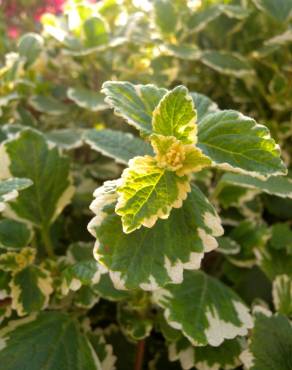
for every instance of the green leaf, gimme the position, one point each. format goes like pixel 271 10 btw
pixel 87 99
pixel 49 341
pixel 281 237
pixel 107 291
pixel 270 344
pixel 85 297
pixel 29 154
pixel 237 143
pixel 203 104
pixel 118 145
pixel 175 115
pixel 16 261
pixel 135 103
pixel 78 274
pixel 235 11
pixel 204 309
pixel 14 234
pixel 30 46
pixel 280 186
pixel 228 246
pixel 282 294
pixel 148 192
pixel 165 16
pixel 151 258
pixel 133 325
pixel 30 290
pixel 281 10
pixel 9 189
pixel 48 104
pixel 228 63
pixel 200 19
pixel 96 32
pixel 183 51
pixel 226 356
pixel 66 139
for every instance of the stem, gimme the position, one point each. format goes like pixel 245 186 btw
pixel 47 241
pixel 139 355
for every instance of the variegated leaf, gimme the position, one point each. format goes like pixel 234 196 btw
pixel 227 63
pixel 14 234
pixel 148 192
pixel 281 10
pixel 51 340
pixel 135 103
pixel 9 189
pixel 237 143
pixel 29 154
pixel 118 145
pixel 30 290
pixel 282 294
pixel 87 99
pixel 280 186
pixel 224 357
pixel 270 344
pixel 175 115
pixel 171 245
pixel 204 309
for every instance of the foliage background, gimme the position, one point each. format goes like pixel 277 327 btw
pixel 238 53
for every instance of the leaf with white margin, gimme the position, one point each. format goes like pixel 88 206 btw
pixel 148 192
pixel 14 234
pixel 105 289
pixel 49 340
pixel 118 145
pixel 87 99
pixel 224 357
pixel 67 138
pixel 228 246
pixel 203 104
pixel 151 258
pixel 204 309
pixel 183 51
pixel 103 349
pixel 30 290
pixel 85 297
pixel 270 345
pixel 134 325
pixel 228 63
pixel 48 105
pixel 280 186
pixel 200 19
pixel 30 46
pixel 281 10
pixel 9 188
pixel 282 294
pixel 17 261
pixel 81 273
pixel 135 103
pixel 95 31
pixel 234 11
pixel 166 17
pixel 237 143
pixel 29 154
pixel 175 115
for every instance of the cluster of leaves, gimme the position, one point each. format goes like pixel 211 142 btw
pixel 192 261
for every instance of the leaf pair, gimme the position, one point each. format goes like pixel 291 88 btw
pixel 152 186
